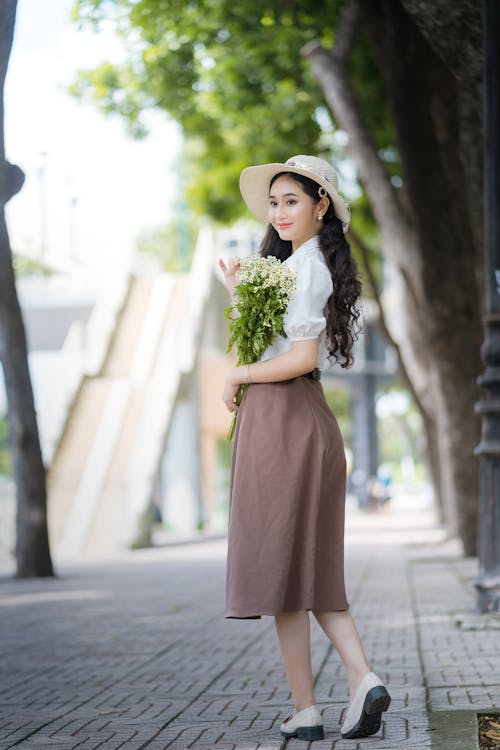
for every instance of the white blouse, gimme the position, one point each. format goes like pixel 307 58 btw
pixel 304 318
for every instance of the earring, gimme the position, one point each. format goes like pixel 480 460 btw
pixel 320 216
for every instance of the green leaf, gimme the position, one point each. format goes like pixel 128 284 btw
pixel 233 77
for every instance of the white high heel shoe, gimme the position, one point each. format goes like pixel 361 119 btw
pixel 364 715
pixel 305 725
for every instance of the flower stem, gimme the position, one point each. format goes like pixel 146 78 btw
pixel 239 396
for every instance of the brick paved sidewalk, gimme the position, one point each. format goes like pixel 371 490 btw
pixel 135 653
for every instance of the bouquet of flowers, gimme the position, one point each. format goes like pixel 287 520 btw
pixel 256 316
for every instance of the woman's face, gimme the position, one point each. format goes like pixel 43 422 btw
pixel 292 212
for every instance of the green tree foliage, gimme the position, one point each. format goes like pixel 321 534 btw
pixel 26 266
pixel 232 75
pixel 400 427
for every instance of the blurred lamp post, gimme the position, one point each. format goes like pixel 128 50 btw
pixel 488 579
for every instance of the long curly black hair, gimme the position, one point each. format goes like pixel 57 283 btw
pixel 341 310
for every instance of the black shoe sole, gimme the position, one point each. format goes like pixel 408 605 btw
pixel 305 733
pixel 376 702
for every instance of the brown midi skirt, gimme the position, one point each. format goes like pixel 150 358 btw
pixel 287 503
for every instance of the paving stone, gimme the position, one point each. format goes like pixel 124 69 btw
pixel 135 652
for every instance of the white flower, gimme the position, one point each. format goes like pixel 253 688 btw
pixel 267 272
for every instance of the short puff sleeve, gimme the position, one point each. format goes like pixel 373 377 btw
pixel 304 318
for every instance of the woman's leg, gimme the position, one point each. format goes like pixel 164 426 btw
pixel 293 629
pixel 342 632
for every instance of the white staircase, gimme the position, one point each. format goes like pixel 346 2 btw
pixel 105 467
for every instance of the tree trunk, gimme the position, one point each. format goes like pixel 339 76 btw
pixel 431 150
pixel 456 37
pixel 32 549
pixel 427 237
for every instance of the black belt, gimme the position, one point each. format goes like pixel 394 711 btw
pixel 314 374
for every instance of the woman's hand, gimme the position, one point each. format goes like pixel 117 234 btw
pixel 230 272
pixel 230 390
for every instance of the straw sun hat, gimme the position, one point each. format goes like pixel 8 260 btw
pixel 255 181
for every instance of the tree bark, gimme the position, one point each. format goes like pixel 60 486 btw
pixel 454 31
pixel 432 152
pixel 32 548
pixel 427 239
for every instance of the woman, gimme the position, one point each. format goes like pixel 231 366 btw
pixel 286 527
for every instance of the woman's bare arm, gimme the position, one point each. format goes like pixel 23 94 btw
pixel 301 358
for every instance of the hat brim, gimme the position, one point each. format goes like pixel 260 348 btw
pixel 254 187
